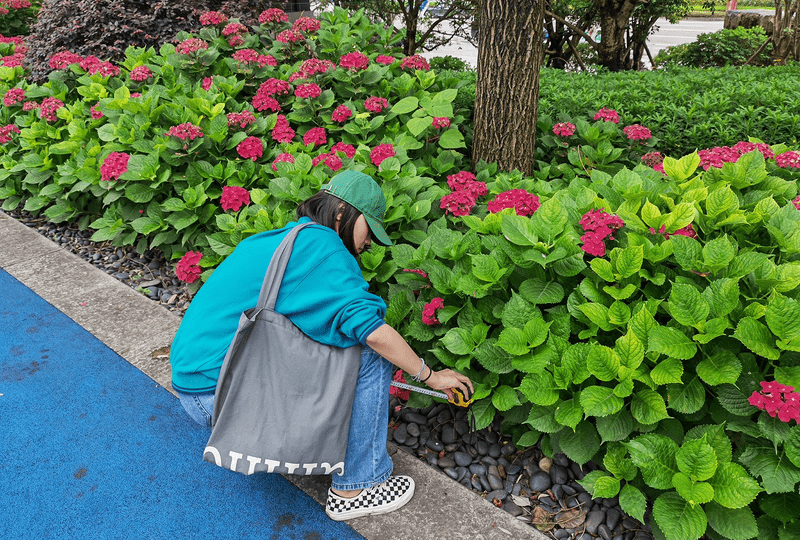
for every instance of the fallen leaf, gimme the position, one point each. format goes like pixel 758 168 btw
pixel 569 519
pixel 521 501
pixel 542 519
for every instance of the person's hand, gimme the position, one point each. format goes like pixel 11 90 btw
pixel 447 379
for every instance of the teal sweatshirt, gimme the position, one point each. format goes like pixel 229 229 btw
pixel 323 293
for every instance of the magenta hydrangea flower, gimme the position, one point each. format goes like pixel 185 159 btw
pixel 347 149
pixel 355 61
pixel 306 24
pixel 375 104
pixel 64 59
pixel 790 159
pixel 95 112
pixel 188 268
pixel 140 73
pixel 241 119
pixel 290 36
pixel 13 96
pixel 282 158
pixel 441 123
pixel 114 165
pixel 458 203
pixel 6 131
pixel 636 132
pixel 315 136
pixel 564 129
pixel 777 400
pixel 185 131
pixel 233 197
pixel 415 62
pixel 48 108
pixel 213 18
pixel 250 148
pixel 385 59
pixel 609 115
pixel 598 225
pixel 273 15
pixel 523 203
pixel 429 311
pixel 341 114
pixel 282 132
pixel 308 91
pixel 380 153
pixel 191 45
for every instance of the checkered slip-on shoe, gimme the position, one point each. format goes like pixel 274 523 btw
pixel 387 496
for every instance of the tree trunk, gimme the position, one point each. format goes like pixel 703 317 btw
pixel 615 16
pixel 507 90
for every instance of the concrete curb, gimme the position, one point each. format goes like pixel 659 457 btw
pixel 139 330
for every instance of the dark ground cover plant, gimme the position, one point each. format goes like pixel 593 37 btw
pixel 16 16
pixel 643 319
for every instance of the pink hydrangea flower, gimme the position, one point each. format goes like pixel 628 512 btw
pixel 598 225
pixel 213 18
pixel 415 62
pixel 235 40
pixel 308 91
pixel 234 28
pixel 282 132
pixel 375 104
pixel 306 24
pixel 609 115
pixel 114 165
pixel 241 119
pixel 283 158
pixel 347 149
pixel 745 147
pixel 250 56
pixel 458 203
pixel 687 231
pixel 790 159
pixel 64 59
pixel 273 86
pixel 636 132
pixel 315 136
pixel 273 15
pixel 187 268
pixel 429 311
pixel 465 181
pixel 523 203
pixel 796 202
pixel 29 106
pixel 385 59
pixel 651 159
pixel 330 159
pixel 14 96
pixel 355 61
pixel 191 45
pixel 14 60
pixel 207 82
pixel 250 148
pixel 564 129
pixel 341 114
pixel 380 153
pixel 401 393
pixel 441 123
pixel 96 113
pixel 6 131
pixel 48 108
pixel 262 102
pixel 778 400
pixel 233 197
pixel 185 131
pixel 290 36
pixel 140 73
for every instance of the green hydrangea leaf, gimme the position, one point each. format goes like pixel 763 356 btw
pixel 492 357
pixel 600 401
pixel 718 253
pixel 606 487
pixel 603 362
pixel 756 337
pixel 784 507
pixel 669 370
pixel 630 350
pixel 783 318
pixel 738 524
pixel 549 220
pixel 597 313
pixel 734 400
pixel 588 482
pixel 715 436
pixel 619 313
pixel 569 412
pixel 640 324
pixel 539 388
pixel 681 169
pixel 678 518
pixel 648 407
pixel 697 460
pixel 792 446
pixel 629 261
pixel 722 297
pixel 686 305
pixel 773 429
pixel 655 456
pixel 692 492
pixel 617 426
pixel 543 419
pixel 617 463
pixel 632 501
pixel 538 291
pixel 512 340
pixel 778 474
pixel 580 445
pixel 602 267
pixel 687 398
pixel 733 487
pixel 720 368
pixel 671 342
pixel 504 398
pixel 458 341
pixel 574 359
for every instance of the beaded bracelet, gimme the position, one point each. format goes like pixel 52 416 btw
pixel 421 371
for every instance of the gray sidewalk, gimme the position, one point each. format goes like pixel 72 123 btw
pixel 140 331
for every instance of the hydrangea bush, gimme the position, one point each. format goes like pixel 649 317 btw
pixel 620 305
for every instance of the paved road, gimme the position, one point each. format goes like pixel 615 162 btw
pixel 667 35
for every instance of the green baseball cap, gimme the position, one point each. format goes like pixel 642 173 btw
pixel 366 196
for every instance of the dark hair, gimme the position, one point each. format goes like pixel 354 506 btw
pixel 324 208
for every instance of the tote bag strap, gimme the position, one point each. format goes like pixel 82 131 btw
pixel 276 269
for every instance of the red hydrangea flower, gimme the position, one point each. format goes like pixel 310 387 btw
pixel 375 104
pixel 355 61
pixel 273 15
pixel 401 393
pixel 415 62
pixel 64 59
pixel 315 136
pixel 609 115
pixel 187 268
pixel 788 159
pixel 213 18
pixel 290 36
pixel 564 129
pixel 114 165
pixel 48 108
pixel 441 123
pixel 14 96
pixel 273 86
pixel 262 102
pixel 385 60
pixel 458 203
pixel 745 147
pixel 341 114
pixel 96 113
pixel 429 311
pixel 523 203
pixel 250 148
pixel 598 225
pixel 241 119
pixel 330 159
pixel 248 56
pixel 283 158
pixel 380 153
pixel 347 149
pixel 636 132
pixel 282 132
pixel 233 197
pixel 207 82
pixel 306 24
pixel 308 91
pixel 465 181
pixel 651 159
pixel 778 400
pixel 29 106
pixel 234 28
pixel 6 131
pixel 185 131
pixel 14 60
pixel 191 45
pixel 140 73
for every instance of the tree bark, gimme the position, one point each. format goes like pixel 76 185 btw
pixel 507 90
pixel 615 16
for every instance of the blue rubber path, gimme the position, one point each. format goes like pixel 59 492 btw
pixel 92 448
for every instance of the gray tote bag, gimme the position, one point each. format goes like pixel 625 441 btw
pixel 283 401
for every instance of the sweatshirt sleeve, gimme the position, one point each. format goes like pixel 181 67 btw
pixel 330 302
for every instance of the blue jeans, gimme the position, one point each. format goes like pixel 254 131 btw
pixel 367 461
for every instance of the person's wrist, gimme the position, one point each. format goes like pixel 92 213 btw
pixel 430 373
